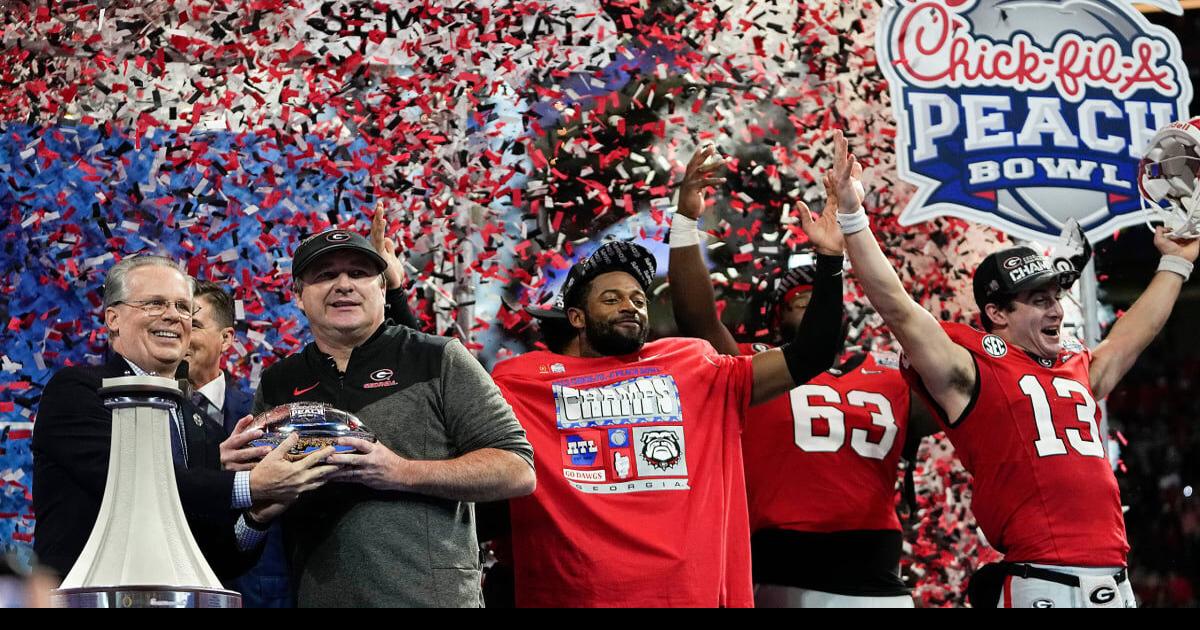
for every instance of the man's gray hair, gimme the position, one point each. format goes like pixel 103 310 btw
pixel 115 289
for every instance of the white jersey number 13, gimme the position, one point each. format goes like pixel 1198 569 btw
pixel 1048 442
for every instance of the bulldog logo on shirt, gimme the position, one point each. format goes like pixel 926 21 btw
pixel 661 449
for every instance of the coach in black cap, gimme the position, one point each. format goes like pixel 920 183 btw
pixel 330 241
pixel 399 530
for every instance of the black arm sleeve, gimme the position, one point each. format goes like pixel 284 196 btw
pixel 820 337
pixel 396 303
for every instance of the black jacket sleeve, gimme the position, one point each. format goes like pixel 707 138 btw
pixel 398 311
pixel 73 432
pixel 821 335
pixel 206 492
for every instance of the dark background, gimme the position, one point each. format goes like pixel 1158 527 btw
pixel 1156 408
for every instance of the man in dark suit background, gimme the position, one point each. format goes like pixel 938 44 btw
pixel 148 310
pixel 212 337
pixel 224 403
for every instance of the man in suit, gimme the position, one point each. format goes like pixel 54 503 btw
pixel 224 403
pixel 212 336
pixel 148 311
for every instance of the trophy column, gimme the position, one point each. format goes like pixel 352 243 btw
pixel 141 553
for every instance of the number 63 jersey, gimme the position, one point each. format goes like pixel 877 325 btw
pixel 824 457
pixel 1043 488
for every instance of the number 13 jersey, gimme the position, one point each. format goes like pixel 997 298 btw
pixel 1043 488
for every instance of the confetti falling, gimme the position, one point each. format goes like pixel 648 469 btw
pixel 500 137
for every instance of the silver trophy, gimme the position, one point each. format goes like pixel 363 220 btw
pixel 318 425
pixel 141 553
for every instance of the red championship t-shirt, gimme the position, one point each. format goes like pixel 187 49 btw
pixel 823 457
pixel 641 497
pixel 1043 488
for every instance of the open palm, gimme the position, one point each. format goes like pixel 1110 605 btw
pixel 698 177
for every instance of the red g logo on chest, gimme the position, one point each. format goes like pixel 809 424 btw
pixel 381 378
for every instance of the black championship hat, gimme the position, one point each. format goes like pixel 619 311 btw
pixel 793 281
pixel 322 243
pixel 552 310
pixel 631 258
pixel 1010 271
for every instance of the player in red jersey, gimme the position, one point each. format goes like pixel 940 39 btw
pixel 641 495
pixel 1019 403
pixel 821 462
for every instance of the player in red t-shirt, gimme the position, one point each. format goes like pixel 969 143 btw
pixel 641 496
pixel 821 462
pixel 1020 406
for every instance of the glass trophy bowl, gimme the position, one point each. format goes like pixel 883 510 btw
pixel 318 425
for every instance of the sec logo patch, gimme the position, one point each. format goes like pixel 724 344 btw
pixel 995 346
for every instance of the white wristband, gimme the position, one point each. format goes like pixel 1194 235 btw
pixel 854 222
pixel 1175 264
pixel 684 231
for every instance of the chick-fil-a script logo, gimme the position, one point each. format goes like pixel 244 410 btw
pixel 1024 115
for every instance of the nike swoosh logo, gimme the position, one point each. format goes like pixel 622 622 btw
pixel 872 372
pixel 296 391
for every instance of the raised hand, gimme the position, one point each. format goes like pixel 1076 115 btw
pixel 699 175
pixel 823 231
pixel 386 247
pixel 1187 249
pixel 847 175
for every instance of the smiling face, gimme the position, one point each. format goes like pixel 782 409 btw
pixel 342 295
pixel 155 344
pixel 614 319
pixel 1035 322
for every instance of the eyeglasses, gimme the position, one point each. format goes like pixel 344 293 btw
pixel 156 308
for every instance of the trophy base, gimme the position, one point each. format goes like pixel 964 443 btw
pixel 144 597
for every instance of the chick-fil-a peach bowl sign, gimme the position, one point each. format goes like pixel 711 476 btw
pixel 1024 114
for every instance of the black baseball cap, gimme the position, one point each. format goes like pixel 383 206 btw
pixel 1010 271
pixel 322 243
pixel 631 258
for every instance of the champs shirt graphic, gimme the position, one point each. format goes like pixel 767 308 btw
pixel 644 396
pixel 621 432
pixel 1025 114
